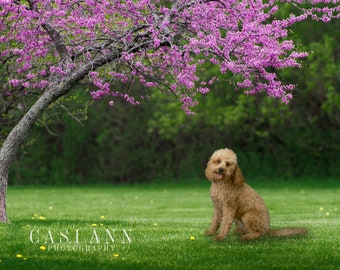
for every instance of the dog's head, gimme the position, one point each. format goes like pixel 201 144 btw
pixel 222 166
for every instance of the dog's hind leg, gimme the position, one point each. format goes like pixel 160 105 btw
pixel 257 225
pixel 240 227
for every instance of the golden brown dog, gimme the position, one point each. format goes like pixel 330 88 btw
pixel 235 201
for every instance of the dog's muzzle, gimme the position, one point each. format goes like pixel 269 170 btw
pixel 219 174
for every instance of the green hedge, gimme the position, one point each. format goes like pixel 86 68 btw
pixel 118 145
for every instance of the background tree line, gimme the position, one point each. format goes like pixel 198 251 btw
pixel 157 141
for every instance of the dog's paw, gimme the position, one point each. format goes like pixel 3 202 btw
pixel 209 233
pixel 248 237
pixel 219 238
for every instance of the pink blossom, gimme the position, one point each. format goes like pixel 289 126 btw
pixel 26 84
pixel 30 76
pixel 164 45
pixel 15 82
pixel 203 90
pixel 325 19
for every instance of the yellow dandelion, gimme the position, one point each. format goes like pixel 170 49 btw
pixel 42 248
pixel 115 255
pixel 36 215
pixel 102 217
pixel 94 225
pixel 155 224
pixel 321 208
pixel 327 213
pixel 19 256
pixel 42 218
pixel 25 259
pixel 192 237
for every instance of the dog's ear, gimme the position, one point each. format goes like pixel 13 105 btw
pixel 207 171
pixel 238 178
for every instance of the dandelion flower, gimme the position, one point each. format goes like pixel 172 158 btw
pixel 327 213
pixel 115 255
pixel 42 218
pixel 19 256
pixel 94 225
pixel 192 237
pixel 25 259
pixel 155 224
pixel 42 248
pixel 102 217
pixel 321 208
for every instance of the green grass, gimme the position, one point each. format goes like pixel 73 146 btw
pixel 160 219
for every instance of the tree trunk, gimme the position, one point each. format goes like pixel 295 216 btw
pixel 18 136
pixel 3 215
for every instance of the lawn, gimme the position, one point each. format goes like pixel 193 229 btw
pixel 160 226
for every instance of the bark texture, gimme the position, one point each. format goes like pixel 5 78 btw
pixel 3 215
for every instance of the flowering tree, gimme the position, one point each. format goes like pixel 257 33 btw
pixel 48 46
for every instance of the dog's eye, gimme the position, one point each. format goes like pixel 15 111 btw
pixel 227 163
pixel 217 161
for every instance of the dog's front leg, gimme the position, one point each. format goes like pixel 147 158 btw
pixel 227 221
pixel 215 224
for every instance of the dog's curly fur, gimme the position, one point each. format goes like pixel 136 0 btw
pixel 235 201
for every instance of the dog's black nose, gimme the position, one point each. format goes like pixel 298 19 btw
pixel 220 170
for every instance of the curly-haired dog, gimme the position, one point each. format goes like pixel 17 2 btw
pixel 235 201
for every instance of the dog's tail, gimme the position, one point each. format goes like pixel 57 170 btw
pixel 287 232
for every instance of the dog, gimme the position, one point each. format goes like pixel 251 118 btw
pixel 235 201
